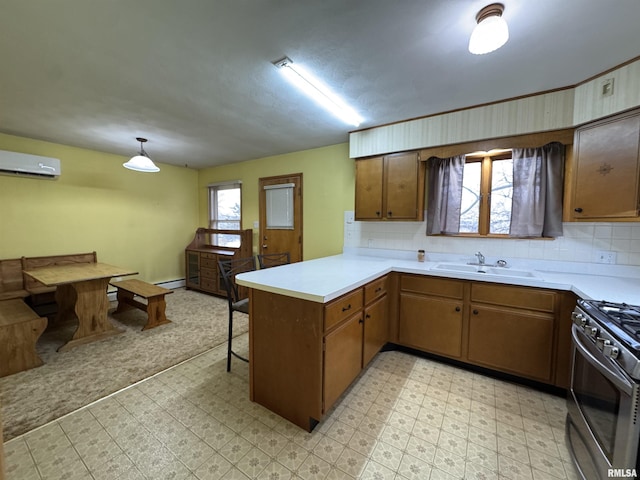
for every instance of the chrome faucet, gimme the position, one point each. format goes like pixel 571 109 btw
pixel 480 258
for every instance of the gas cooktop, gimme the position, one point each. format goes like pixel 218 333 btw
pixel 622 320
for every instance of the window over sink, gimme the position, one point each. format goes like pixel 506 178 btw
pixel 502 193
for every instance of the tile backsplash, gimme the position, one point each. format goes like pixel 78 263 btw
pixel 582 242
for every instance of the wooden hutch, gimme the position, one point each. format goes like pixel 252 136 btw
pixel 202 254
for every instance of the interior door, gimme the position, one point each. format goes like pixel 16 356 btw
pixel 281 215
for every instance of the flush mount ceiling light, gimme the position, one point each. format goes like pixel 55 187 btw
pixel 315 89
pixel 141 162
pixel 491 32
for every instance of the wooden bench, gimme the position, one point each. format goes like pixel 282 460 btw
pixel 11 282
pixel 20 328
pixel 39 293
pixel 153 294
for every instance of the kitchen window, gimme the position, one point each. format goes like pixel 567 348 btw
pixel 225 212
pixel 487 191
pixel 503 193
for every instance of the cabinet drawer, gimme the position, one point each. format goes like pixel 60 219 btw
pixel 208 262
pixel 211 256
pixel 208 273
pixel 518 297
pixel 342 308
pixel 432 286
pixel 375 289
pixel 209 284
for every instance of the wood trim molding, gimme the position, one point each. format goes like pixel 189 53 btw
pixel 531 140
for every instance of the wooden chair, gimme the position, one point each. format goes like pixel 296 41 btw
pixel 238 301
pixel 267 260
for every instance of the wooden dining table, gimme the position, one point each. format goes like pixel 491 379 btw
pixel 81 294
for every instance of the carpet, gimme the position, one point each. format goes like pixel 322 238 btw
pixel 70 380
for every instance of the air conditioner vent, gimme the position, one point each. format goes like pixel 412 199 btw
pixel 27 165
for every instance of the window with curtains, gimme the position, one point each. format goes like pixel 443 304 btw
pixel 225 211
pixel 506 193
pixel 487 190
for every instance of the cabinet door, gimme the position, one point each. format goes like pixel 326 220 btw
pixel 431 323
pixel 607 169
pixel 513 341
pixel 369 173
pixel 376 330
pixel 342 358
pixel 193 269
pixel 401 171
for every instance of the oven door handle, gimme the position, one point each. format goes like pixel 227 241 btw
pixel 619 379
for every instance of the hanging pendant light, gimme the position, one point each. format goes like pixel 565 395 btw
pixel 141 162
pixel 491 32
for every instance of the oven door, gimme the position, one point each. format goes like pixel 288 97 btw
pixel 602 427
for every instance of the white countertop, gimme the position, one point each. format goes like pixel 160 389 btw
pixel 324 279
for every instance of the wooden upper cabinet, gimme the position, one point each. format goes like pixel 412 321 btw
pixel 607 168
pixel 390 187
pixel 369 174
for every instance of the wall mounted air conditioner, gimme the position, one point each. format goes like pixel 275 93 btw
pixel 26 165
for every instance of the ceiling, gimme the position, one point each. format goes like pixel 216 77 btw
pixel 196 78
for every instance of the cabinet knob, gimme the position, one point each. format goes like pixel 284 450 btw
pixel 457 309
pixel 348 307
pixel 367 316
pixel 361 320
pixel 377 213
pixel 579 210
pixel 475 312
pixel 389 213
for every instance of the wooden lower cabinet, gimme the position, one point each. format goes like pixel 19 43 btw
pixel 342 358
pixel 303 355
pixel 202 271
pixel 431 324
pixel 512 341
pixel 376 329
pixel 522 331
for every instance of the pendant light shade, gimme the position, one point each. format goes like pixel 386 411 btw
pixel 141 162
pixel 491 32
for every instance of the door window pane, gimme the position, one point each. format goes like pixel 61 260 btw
pixel 279 200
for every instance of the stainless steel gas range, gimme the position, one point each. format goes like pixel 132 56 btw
pixel 603 424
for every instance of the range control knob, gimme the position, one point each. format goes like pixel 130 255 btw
pixel 578 319
pixel 610 351
pixel 591 331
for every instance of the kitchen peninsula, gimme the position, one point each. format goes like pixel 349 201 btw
pixel 315 325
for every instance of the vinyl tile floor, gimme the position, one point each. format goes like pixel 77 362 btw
pixel 405 417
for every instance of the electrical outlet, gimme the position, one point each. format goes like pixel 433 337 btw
pixel 604 256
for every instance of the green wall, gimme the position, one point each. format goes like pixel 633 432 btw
pixel 328 189
pixel 131 219
pixel 144 221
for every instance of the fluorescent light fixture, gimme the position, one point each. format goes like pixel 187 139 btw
pixel 315 89
pixel 491 32
pixel 141 162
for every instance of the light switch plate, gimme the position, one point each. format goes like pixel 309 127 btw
pixel 607 87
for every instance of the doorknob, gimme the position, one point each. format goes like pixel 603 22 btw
pixel 264 246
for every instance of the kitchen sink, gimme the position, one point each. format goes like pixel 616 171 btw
pixel 456 267
pixel 483 270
